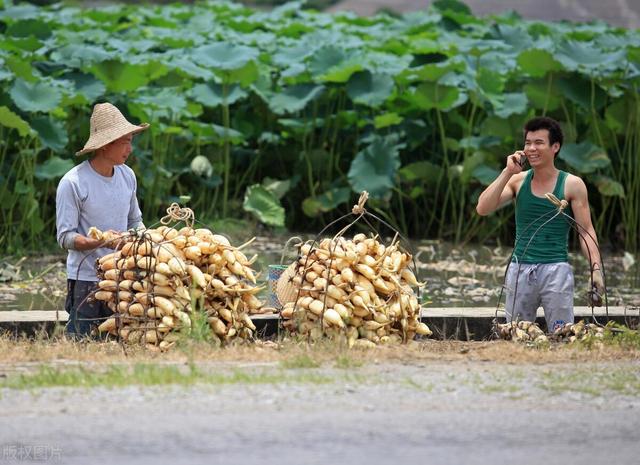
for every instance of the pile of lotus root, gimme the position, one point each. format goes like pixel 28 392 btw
pixel 159 277
pixel 358 291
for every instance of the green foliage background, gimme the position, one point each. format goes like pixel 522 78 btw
pixel 286 115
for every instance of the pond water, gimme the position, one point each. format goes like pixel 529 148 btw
pixel 469 276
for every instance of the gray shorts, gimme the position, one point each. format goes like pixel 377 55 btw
pixel 548 285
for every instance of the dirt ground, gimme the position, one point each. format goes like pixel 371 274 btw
pixel 453 409
pixel 436 402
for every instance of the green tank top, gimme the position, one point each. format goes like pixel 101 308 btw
pixel 550 238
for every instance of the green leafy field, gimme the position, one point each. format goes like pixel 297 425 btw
pixel 258 113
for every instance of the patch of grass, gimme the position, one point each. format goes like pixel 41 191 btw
pixel 622 336
pixel 595 383
pixel 150 375
pixel 417 386
pixel 499 388
pixel 346 362
pixel 300 361
pixel 198 333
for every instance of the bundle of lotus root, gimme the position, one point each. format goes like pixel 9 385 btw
pixel 579 331
pixel 521 331
pixel 358 290
pixel 524 331
pixel 160 277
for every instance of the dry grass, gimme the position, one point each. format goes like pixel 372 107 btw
pixel 58 350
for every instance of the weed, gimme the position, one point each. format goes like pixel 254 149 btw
pixel 592 382
pixel 499 388
pixel 300 361
pixel 346 362
pixel 417 386
pixel 150 375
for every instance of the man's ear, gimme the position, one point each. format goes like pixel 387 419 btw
pixel 555 147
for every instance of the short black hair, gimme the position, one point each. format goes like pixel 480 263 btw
pixel 550 124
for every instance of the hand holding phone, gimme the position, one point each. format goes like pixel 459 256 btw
pixel 516 161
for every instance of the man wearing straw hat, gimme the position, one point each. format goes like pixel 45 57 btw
pixel 100 192
pixel 539 273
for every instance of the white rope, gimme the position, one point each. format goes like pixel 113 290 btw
pixel 358 209
pixel 175 214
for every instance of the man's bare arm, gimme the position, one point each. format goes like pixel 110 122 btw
pixel 502 189
pixel 578 196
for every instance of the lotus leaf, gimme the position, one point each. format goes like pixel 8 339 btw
pixel 424 171
pixel 485 174
pixel 369 89
pixel 429 95
pixel 52 133
pixel 387 119
pixel 263 205
pixel 126 77
pixel 224 56
pixel 40 96
pixel 374 168
pixel 294 98
pixel 54 168
pixel 584 157
pixel 212 94
pixel 326 202
pixel 537 63
pixel 9 119
pixel 608 187
pixel 276 186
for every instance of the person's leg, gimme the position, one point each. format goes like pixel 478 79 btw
pixel 522 300
pixel 88 313
pixel 556 290
pixel 69 306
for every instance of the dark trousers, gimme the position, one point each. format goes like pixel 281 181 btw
pixel 83 315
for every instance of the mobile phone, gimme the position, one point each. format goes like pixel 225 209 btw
pixel 524 161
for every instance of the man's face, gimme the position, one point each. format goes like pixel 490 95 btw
pixel 118 151
pixel 537 148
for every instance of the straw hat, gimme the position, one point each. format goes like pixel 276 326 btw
pixel 106 125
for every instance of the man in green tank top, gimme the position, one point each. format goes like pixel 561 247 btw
pixel 539 274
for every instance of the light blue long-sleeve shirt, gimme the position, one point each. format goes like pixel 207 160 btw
pixel 85 198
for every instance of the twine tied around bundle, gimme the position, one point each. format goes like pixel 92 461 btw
pixel 561 204
pixel 175 213
pixel 359 209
